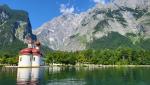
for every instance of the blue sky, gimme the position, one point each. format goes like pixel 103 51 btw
pixel 41 11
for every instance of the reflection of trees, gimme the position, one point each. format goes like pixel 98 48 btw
pixel 101 76
pixel 79 76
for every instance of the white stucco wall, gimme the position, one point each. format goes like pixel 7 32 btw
pixel 25 61
pixel 36 61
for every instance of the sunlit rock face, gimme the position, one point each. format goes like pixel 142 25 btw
pixel 57 32
pixel 133 3
pixel 127 19
pixel 16 21
pixel 14 28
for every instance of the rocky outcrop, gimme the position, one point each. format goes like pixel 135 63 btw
pixel 57 32
pixel 14 27
pixel 128 19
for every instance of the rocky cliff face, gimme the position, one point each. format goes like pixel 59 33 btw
pixel 14 28
pixel 103 26
pixel 57 32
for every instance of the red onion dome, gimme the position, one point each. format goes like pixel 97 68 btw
pixel 36 52
pixel 26 51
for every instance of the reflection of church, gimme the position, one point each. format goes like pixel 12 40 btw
pixel 31 56
pixel 29 76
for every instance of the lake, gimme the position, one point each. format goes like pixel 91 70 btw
pixel 75 76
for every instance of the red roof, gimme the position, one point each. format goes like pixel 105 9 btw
pixel 36 52
pixel 28 51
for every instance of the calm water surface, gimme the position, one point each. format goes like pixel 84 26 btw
pixel 74 76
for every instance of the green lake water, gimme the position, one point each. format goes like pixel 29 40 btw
pixel 75 76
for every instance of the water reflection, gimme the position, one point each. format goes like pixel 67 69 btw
pixel 76 76
pixel 54 69
pixel 63 76
pixel 29 76
pixel 69 81
pixel 23 76
pixel 99 76
pixel 35 76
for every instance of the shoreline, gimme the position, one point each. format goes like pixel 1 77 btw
pixel 81 65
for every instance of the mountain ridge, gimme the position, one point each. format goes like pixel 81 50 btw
pixel 14 28
pixel 124 17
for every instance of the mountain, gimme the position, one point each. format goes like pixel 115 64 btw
pixel 14 28
pixel 57 32
pixel 120 23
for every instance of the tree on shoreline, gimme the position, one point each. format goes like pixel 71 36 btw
pixel 119 56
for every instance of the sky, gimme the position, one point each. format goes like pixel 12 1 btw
pixel 41 11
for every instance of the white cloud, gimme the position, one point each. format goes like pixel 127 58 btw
pixel 65 9
pixel 96 1
pixel 99 1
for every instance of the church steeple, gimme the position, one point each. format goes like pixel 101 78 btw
pixel 29 41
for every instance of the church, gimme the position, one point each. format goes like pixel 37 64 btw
pixel 31 56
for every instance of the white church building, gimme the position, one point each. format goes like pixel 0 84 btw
pixel 31 56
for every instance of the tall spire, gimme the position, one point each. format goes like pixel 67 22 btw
pixel 37 45
pixel 29 41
